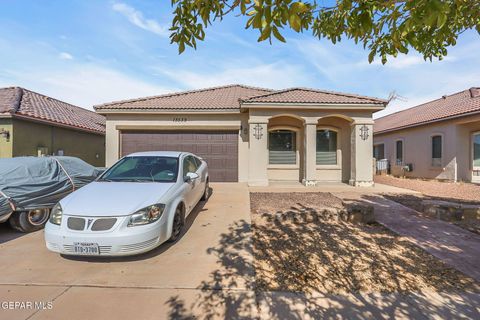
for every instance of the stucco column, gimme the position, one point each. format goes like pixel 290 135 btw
pixel 361 174
pixel 258 154
pixel 310 149
pixel 112 144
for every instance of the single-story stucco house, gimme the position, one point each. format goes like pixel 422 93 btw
pixel 440 139
pixel 32 124
pixel 253 135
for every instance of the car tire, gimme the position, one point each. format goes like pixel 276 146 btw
pixel 13 221
pixel 29 221
pixel 206 193
pixel 177 224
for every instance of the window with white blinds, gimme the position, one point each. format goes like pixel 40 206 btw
pixel 326 147
pixel 282 147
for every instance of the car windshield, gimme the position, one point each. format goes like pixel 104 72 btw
pixel 143 169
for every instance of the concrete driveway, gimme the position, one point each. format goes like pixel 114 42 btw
pixel 213 256
pixel 207 274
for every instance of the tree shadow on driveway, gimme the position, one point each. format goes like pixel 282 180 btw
pixel 295 266
pixel 8 234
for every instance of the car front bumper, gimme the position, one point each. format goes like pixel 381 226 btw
pixel 120 241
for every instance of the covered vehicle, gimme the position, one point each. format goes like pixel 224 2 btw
pixel 31 186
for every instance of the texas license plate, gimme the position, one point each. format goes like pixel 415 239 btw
pixel 85 248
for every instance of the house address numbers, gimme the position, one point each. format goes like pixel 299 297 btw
pixel 179 119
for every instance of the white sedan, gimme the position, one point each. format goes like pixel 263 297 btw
pixel 137 204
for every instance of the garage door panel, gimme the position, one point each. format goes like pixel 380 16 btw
pixel 218 148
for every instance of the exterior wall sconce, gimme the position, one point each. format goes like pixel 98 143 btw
pixel 258 131
pixel 364 132
pixel 5 134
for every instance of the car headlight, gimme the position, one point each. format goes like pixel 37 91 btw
pixel 146 215
pixel 56 214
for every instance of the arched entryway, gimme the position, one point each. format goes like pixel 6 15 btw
pixel 285 148
pixel 333 149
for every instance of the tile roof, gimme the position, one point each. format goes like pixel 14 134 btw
pixel 446 107
pixel 313 96
pixel 224 98
pixel 22 103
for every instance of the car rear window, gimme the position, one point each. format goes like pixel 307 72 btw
pixel 143 169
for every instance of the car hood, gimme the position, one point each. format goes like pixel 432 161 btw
pixel 106 199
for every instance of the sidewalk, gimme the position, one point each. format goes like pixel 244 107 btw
pixel 455 246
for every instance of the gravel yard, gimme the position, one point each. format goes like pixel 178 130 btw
pixel 337 257
pixel 447 190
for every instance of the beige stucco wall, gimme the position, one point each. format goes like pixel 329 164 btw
pixel 456 149
pixel 343 119
pixel 29 136
pixel 6 146
pixel 253 153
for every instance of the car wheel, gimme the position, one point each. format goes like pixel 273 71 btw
pixel 29 221
pixel 13 221
pixel 177 226
pixel 206 193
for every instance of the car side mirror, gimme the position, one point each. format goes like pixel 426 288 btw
pixel 190 176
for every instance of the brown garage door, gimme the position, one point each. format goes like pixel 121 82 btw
pixel 218 148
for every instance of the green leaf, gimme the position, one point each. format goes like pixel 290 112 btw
pixel 257 21
pixel 441 19
pixel 181 47
pixel 277 34
pixel 295 22
pixel 371 56
pixel 265 34
pixel 298 7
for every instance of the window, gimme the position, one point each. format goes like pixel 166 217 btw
pixel 198 162
pixel 189 165
pixel 143 169
pixel 476 150
pixel 399 152
pixel 326 147
pixel 437 151
pixel 379 151
pixel 282 146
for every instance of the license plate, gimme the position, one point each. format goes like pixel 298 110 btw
pixel 85 248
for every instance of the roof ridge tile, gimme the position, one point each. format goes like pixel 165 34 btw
pixel 178 93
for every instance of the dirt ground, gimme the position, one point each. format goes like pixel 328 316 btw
pixel 338 257
pixel 447 190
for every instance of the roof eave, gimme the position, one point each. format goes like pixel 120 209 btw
pixel 56 124
pixel 287 105
pixel 169 111
pixel 427 122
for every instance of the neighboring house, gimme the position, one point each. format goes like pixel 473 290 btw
pixel 251 134
pixel 32 124
pixel 440 138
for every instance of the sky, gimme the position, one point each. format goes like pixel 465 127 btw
pixel 88 52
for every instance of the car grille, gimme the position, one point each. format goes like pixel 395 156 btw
pixel 76 223
pixel 138 246
pixel 103 224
